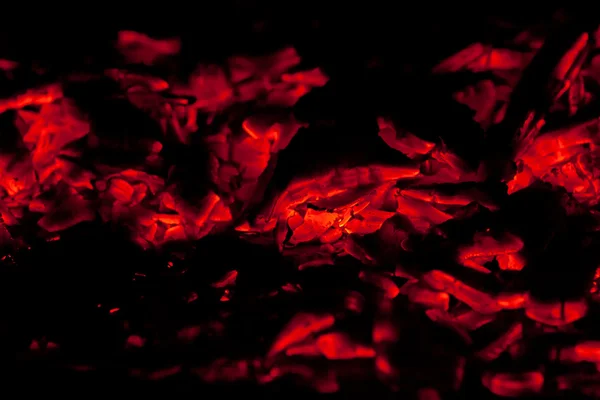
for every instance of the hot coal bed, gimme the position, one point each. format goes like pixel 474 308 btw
pixel 407 210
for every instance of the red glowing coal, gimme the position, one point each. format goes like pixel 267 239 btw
pixel 426 274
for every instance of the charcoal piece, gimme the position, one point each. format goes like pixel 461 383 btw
pixel 530 94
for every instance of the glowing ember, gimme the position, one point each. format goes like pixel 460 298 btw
pixel 405 259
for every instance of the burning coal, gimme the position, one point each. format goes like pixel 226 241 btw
pixel 404 259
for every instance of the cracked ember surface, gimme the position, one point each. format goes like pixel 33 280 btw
pixel 290 218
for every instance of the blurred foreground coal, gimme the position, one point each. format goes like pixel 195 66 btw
pixel 290 217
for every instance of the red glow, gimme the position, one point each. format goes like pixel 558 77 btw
pixel 432 244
